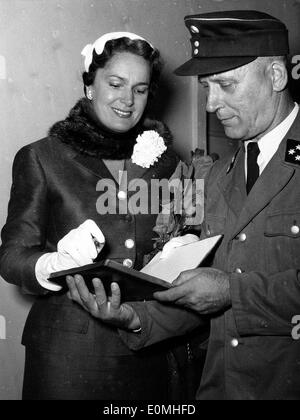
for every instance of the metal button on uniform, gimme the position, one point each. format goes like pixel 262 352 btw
pixel 295 230
pixel 128 263
pixel 122 195
pixel 196 51
pixel 242 237
pixel 234 343
pixel 197 44
pixel 239 271
pixel 129 243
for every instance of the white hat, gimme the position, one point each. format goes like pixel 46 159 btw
pixel 100 43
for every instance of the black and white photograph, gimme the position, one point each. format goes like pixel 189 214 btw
pixel 150 203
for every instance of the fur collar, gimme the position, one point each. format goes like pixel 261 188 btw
pixel 83 132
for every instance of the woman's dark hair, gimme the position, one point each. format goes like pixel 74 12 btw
pixel 138 47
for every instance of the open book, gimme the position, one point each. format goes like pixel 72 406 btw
pixel 140 285
pixel 183 258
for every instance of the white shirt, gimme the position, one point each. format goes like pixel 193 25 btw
pixel 269 144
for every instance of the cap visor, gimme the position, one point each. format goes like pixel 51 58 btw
pixel 211 65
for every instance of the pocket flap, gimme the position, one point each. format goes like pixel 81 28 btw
pixel 69 318
pixel 287 224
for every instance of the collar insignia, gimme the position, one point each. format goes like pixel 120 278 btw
pixel 292 154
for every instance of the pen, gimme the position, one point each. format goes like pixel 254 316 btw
pixel 98 245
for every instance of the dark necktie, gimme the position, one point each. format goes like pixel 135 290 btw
pixel 252 166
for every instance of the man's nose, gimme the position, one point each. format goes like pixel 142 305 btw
pixel 213 101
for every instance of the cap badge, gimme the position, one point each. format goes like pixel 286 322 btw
pixel 293 152
pixel 194 29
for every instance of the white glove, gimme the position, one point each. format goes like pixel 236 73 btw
pixel 79 247
pixel 178 242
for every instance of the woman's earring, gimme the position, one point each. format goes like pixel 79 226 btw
pixel 89 95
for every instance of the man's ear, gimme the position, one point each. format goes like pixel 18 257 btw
pixel 279 75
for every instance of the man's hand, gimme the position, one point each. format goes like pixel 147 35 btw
pixel 204 290
pixel 107 309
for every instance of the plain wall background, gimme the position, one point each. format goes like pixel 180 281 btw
pixel 40 80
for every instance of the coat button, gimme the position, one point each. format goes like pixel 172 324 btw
pixel 234 343
pixel 128 263
pixel 129 243
pixel 242 237
pixel 239 271
pixel 122 195
pixel 197 44
pixel 295 230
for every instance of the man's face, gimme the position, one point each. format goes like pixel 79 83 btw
pixel 243 100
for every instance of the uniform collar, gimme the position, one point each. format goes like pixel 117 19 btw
pixel 269 144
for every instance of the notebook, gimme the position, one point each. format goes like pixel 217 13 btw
pixel 183 258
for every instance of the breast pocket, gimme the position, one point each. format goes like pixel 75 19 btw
pixel 282 237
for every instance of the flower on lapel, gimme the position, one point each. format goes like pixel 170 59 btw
pixel 148 149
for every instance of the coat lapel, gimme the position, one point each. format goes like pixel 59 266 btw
pixel 232 183
pixel 273 179
pixel 98 168
pixel 94 165
pixel 133 173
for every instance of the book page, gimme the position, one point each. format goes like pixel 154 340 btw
pixel 183 258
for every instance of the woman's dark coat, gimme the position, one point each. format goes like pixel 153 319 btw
pixel 69 354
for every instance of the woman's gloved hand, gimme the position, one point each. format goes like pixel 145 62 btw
pixel 178 242
pixel 79 247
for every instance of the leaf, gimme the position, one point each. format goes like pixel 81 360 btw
pixel 202 167
pixel 186 207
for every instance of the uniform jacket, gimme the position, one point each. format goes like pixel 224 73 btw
pixel 251 352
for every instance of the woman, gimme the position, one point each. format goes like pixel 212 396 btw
pixel 54 221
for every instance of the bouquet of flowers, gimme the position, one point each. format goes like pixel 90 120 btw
pixel 183 210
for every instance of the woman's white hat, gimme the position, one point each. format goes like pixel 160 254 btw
pixel 100 43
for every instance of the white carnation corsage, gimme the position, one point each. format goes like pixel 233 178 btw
pixel 148 149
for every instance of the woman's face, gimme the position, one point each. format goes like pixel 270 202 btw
pixel 120 91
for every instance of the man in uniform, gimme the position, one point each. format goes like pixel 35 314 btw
pixel 251 292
